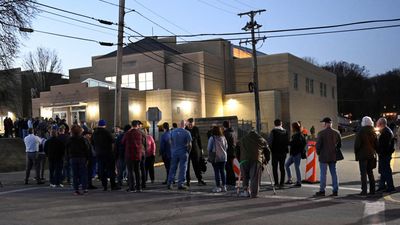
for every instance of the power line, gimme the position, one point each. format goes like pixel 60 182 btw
pixel 216 7
pixel 291 29
pixel 245 4
pixel 78 20
pixel 75 25
pixel 162 17
pixel 229 5
pixel 74 13
pixel 30 30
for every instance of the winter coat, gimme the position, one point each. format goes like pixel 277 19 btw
pixel 219 145
pixel 54 149
pixel 386 142
pixel 279 141
pixel 328 141
pixel 133 142
pixel 78 147
pixel 297 143
pixel 102 141
pixel 366 143
pixel 231 140
pixel 252 148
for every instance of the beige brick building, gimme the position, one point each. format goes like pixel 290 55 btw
pixel 199 79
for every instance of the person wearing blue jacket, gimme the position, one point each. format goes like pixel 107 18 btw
pixel 165 149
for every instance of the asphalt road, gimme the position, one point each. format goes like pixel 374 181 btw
pixel 33 204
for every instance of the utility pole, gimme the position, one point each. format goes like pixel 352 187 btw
pixel 253 86
pixel 118 93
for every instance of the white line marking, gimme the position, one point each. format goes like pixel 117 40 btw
pixel 20 190
pixel 351 135
pixel 374 213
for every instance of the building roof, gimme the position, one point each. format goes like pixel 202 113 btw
pixel 142 46
pixel 247 50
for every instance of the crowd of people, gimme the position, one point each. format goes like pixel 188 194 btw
pixel 77 154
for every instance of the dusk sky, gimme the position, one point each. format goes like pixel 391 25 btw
pixel 377 50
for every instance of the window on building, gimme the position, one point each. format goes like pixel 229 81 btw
pixel 311 86
pixel 111 79
pixel 146 81
pixel 321 89
pixel 333 92
pixel 324 90
pixel 296 81
pixel 307 85
pixel 128 81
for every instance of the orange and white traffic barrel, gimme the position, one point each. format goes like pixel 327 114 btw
pixel 311 166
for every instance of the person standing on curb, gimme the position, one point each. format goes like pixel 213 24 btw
pixel 231 140
pixel 328 141
pixel 278 141
pixel 55 150
pixel 150 156
pixel 385 151
pixel 121 164
pixel 165 149
pixel 217 147
pixel 181 144
pixel 195 153
pixel 252 157
pixel 102 141
pixel 32 143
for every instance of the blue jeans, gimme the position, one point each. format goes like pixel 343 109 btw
pixel 79 173
pixel 386 173
pixel 219 172
pixel 332 170
pixel 296 159
pixel 181 159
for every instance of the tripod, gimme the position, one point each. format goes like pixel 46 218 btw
pixel 270 177
pixel 269 174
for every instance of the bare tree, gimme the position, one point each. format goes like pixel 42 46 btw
pixel 311 60
pixel 41 62
pixel 13 15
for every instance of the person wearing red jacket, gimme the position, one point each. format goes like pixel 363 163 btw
pixel 133 141
pixel 150 156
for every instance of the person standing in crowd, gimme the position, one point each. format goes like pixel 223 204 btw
pixel 328 141
pixel 365 147
pixel 150 156
pixel 41 158
pixel 78 153
pixel 16 128
pixel 55 150
pixel 32 143
pixel 133 142
pixel 91 158
pixel 63 123
pixel 278 141
pixel 181 144
pixel 62 136
pixel 84 126
pixel 144 151
pixel 231 140
pixel 24 128
pixel 195 153
pixel 165 149
pixel 218 146
pixel 102 141
pixel 297 146
pixel 121 165
pixel 253 150
pixel 385 151
pixel 174 125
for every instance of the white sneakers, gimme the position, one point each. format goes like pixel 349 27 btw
pixel 244 194
pixel 53 185
pixel 219 189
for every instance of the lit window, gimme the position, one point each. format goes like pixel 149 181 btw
pixel 128 81
pixel 111 79
pixel 146 81
pixel 296 81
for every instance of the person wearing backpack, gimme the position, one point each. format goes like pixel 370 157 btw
pixel 297 145
pixel 217 147
pixel 385 151
pixel 278 140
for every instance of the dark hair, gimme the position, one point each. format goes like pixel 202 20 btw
pixel 190 120
pixel 277 122
pixel 165 126
pixel 127 127
pixel 76 130
pixel 217 131
pixel 135 123
pixel 226 124
pixel 30 131
pixel 296 127
pixel 175 125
